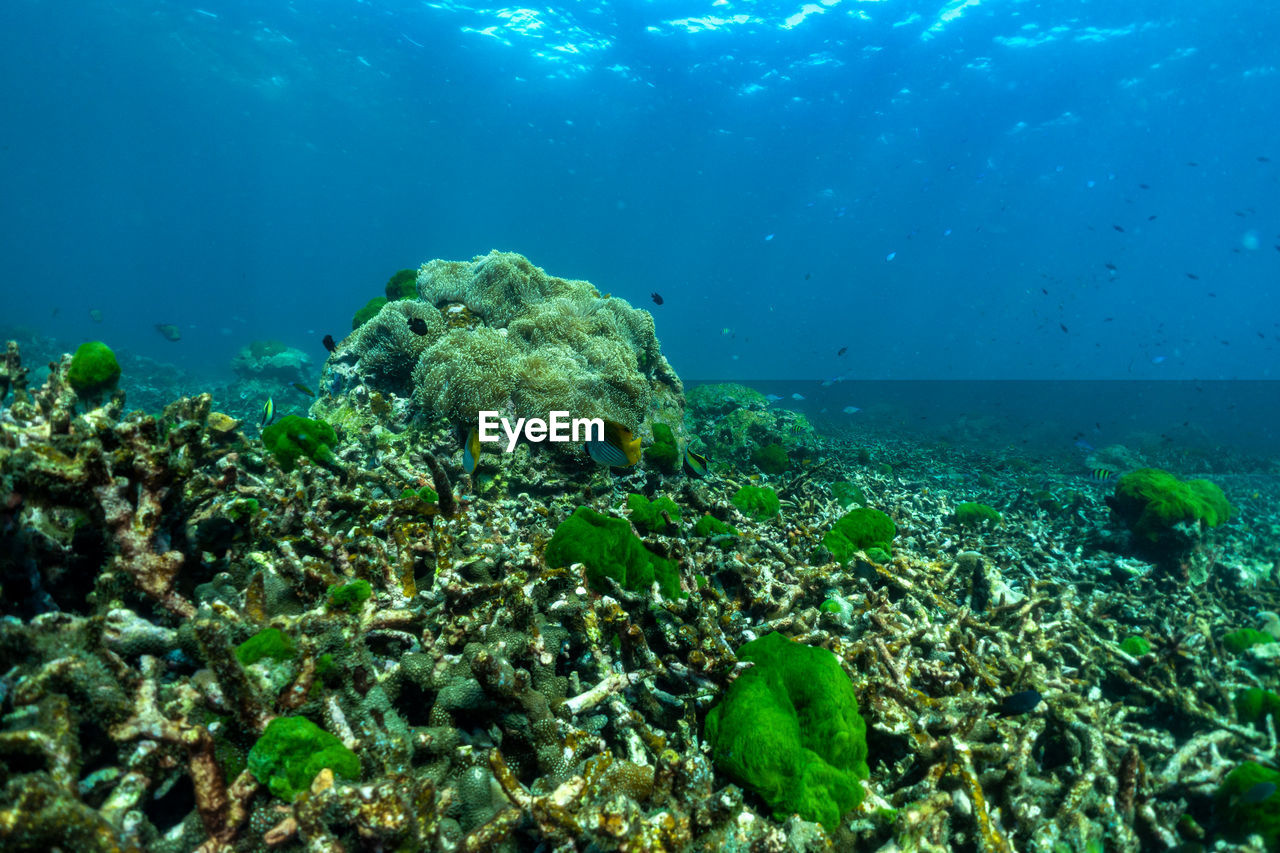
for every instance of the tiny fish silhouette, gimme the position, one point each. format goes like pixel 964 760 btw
pixel 657 297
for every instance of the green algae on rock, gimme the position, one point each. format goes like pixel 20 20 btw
pixel 789 729
pixel 292 750
pixel 94 368
pixel 608 549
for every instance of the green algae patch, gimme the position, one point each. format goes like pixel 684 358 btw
pixel 608 549
pixel 94 368
pixel 1242 639
pixel 1151 501
pixel 770 458
pixel 294 437
pixel 269 643
pixel 757 502
pixel 368 312
pixel 860 529
pixel 972 514
pixel 403 284
pixel 1135 646
pixel 1254 705
pixel 789 729
pixel 292 750
pixel 647 514
pixel 349 596
pixel 1248 800
pixel 663 454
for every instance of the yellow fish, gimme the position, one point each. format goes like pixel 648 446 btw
pixel 620 447
pixel 471 451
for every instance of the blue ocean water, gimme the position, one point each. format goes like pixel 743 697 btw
pixel 965 189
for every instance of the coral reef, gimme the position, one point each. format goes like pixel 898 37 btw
pixel 203 651
pixel 272 362
pixel 499 334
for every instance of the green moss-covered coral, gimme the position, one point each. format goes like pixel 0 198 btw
pixel 292 750
pixel 757 502
pixel 368 312
pixel 789 729
pixel 94 368
pixel 403 284
pixel 349 596
pixel 269 643
pixel 1151 501
pixel 242 509
pixel 663 454
pixel 426 494
pixel 1254 705
pixel 1135 646
pixel 1248 803
pixel 709 525
pixel 608 549
pixel 770 458
pixel 647 514
pixel 294 437
pixel 860 529
pixel 971 514
pixel 1242 639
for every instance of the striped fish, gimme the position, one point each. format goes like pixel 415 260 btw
pixel 619 448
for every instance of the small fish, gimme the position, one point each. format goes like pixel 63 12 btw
pixel 726 331
pixel 851 410
pixel 797 396
pixel 268 412
pixel 891 256
pixel 1264 159
pixel 1144 186
pixel 304 389
pixel 772 398
pixel 170 331
pixel 1118 228
pixel 1110 266
pixel 417 325
pixel 841 351
pixel 95 315
pixel 806 276
pixel 1158 359
pixel 1019 703
pixel 471 451
pixel 1193 276
pixel 1064 329
pixel 1260 792
pixel 1102 474
pixel 620 447
pixel 329 343
pixel 695 464
pixel 656 297
pixel 768 237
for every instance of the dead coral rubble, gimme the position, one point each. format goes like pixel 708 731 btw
pixel 496 703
